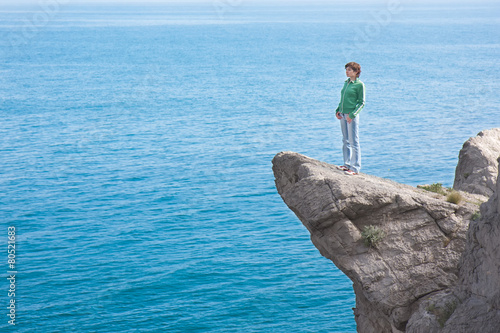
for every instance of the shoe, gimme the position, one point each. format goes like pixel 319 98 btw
pixel 351 173
pixel 343 168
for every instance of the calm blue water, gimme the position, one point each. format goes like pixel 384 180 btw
pixel 136 148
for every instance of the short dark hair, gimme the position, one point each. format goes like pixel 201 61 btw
pixel 355 67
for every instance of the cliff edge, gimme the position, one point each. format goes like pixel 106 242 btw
pixel 415 264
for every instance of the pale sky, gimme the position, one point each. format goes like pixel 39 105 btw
pixel 237 2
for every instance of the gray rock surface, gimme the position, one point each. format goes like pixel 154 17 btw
pixel 407 277
pixel 473 305
pixel 477 166
pixel 479 277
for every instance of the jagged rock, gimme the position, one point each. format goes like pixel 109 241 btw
pixel 473 305
pixel 479 276
pixel 477 168
pixel 416 260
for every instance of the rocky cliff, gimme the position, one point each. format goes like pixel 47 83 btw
pixel 477 163
pixel 415 264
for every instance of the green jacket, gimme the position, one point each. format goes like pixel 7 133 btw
pixel 352 98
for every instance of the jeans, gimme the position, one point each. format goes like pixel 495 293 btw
pixel 351 148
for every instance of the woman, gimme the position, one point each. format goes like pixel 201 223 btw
pixel 352 101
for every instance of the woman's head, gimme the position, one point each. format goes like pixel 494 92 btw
pixel 355 67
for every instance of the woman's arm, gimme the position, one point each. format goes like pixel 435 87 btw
pixel 360 103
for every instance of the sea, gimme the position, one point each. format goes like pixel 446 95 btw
pixel 136 184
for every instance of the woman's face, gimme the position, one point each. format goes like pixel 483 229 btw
pixel 350 73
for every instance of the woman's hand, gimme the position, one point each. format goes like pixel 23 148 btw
pixel 349 120
pixel 338 115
